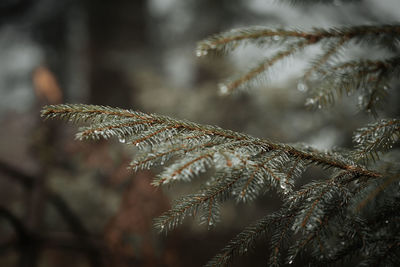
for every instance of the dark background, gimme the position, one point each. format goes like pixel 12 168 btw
pixel 70 203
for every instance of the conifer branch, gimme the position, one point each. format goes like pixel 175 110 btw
pixel 310 196
pixel 370 77
pixel 241 244
pixel 245 80
pixel 294 171
pixel 324 57
pixel 156 132
pixel 311 2
pixel 256 170
pixel 376 138
pixel 314 217
pixel 88 113
pixel 279 235
pixel 335 77
pixel 387 181
pixel 242 167
pixel 219 191
pixel 226 41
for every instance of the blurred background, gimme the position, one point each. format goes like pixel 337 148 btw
pixel 70 203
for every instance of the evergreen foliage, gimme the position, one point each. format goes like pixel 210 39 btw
pixel 331 73
pixel 350 216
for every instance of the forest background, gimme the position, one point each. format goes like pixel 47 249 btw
pixel 77 199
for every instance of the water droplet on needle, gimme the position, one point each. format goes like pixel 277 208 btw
pixel 223 89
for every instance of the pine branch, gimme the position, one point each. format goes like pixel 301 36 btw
pixel 278 237
pixel 243 167
pixel 201 202
pixel 227 41
pixel 245 240
pixel 310 2
pixel 239 184
pixel 254 179
pixel 312 209
pixel 320 61
pixel 316 218
pixel 89 113
pixel 227 148
pixel 370 77
pixel 332 78
pixel 246 80
pixel 373 191
pixel 341 247
pixel 376 138
pixel 381 239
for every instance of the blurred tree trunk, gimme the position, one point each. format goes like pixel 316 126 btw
pixel 113 27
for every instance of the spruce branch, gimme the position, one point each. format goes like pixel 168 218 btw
pixel 330 78
pixel 156 132
pixel 326 2
pixel 315 219
pixel 315 209
pixel 246 80
pixel 376 138
pixel 245 240
pixel 325 196
pixel 201 202
pixel 370 77
pixel 340 248
pixel 373 191
pixel 242 168
pixel 255 178
pixel 320 61
pixel 278 237
pixel 226 41
pixel 225 186
pixel 381 238
pixel 89 113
